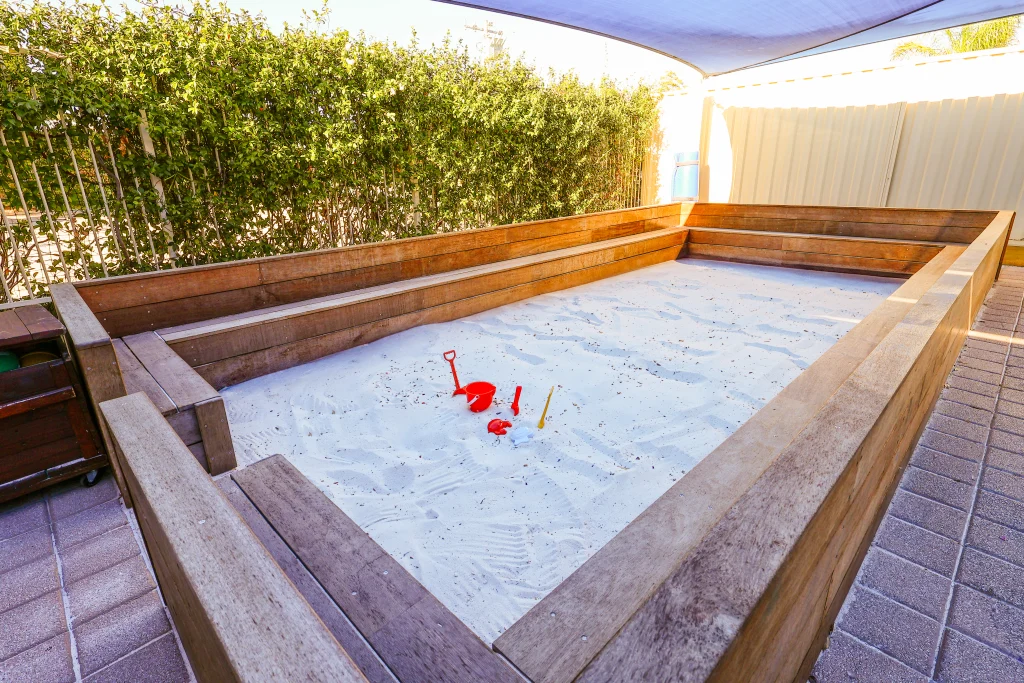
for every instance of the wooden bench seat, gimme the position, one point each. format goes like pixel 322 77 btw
pixel 190 405
pixel 391 626
pixel 234 348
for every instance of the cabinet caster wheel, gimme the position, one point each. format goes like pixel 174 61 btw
pixel 90 478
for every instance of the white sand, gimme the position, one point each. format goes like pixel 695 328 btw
pixel 653 370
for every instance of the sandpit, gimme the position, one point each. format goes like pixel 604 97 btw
pixel 652 370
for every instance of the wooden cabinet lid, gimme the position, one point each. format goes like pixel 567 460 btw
pixel 27 324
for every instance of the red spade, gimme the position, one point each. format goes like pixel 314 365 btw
pixel 450 357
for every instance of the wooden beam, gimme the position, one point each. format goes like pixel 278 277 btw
pixel 240 335
pixel 133 303
pixel 93 352
pixel 237 369
pixel 752 609
pixel 238 615
pixel 414 634
pixel 599 598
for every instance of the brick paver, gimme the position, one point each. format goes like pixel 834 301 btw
pixel 940 596
pixel 78 601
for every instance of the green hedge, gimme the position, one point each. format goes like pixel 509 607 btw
pixel 301 139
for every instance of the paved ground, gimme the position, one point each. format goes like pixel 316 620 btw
pixel 78 601
pixel 941 593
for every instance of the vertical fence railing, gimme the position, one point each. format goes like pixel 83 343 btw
pixel 75 204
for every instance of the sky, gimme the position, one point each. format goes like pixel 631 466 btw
pixel 541 44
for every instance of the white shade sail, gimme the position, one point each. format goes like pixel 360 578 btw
pixel 719 36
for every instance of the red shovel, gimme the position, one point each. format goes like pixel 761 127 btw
pixel 450 357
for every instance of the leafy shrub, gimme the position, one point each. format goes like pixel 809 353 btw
pixel 277 142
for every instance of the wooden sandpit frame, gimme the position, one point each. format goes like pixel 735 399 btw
pixel 735 573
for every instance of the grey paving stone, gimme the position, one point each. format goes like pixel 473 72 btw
pixel 106 589
pixel 98 553
pixel 1010 408
pixel 47 662
pixel 990 352
pixel 28 582
pixel 21 515
pixel 1017 373
pixel 980 388
pixel 937 487
pixel 965 660
pixel 25 548
pixel 116 633
pixel 89 523
pixel 913 543
pixel 30 624
pixel 996 539
pixel 1001 509
pixel 1011 382
pixel 965 471
pixel 1004 483
pixel 967 372
pixel 158 662
pixel 969 399
pixel 1012 395
pixel 1008 423
pixel 924 512
pixel 1007 441
pixel 898 631
pixel 989 620
pixel 992 576
pixel 956 427
pixel 971 361
pixel 1004 460
pixel 963 412
pixel 952 445
pixel 905 582
pixel 847 660
pixel 72 498
pixel 1015 361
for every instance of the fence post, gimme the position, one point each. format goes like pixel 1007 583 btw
pixel 158 186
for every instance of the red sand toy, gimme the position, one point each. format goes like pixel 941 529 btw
pixel 515 401
pixel 450 357
pixel 479 395
pixel 498 426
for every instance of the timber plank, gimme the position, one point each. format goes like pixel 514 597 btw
pixel 219 339
pixel 415 636
pixel 741 611
pixel 937 217
pixel 39 457
pixel 803 259
pixel 137 378
pixel 602 594
pixel 238 616
pixel 313 276
pixel 888 249
pixel 149 288
pixel 334 619
pixel 237 369
pixel 185 425
pixel 21 382
pixel 213 425
pixel 12 329
pixel 175 377
pixel 933 233
pixel 40 324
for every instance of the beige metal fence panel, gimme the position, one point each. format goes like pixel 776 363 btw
pixel 818 155
pixel 962 154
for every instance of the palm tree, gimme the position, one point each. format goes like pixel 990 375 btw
pixel 983 36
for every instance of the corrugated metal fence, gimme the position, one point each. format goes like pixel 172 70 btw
pixel 935 134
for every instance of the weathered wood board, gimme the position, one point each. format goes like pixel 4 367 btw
pixel 411 631
pixel 238 615
pixel 600 597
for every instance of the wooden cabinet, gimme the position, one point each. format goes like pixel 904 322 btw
pixel 47 432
